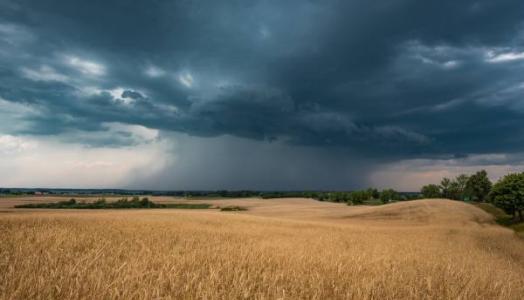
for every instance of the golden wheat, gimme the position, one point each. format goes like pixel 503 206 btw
pixel 279 249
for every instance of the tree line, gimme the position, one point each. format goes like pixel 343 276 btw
pixel 507 193
pixel 367 196
pixel 123 203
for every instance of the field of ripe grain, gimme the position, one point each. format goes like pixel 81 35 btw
pixel 278 249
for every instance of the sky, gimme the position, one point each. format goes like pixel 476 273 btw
pixel 264 95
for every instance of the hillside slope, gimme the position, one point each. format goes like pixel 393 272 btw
pixel 279 249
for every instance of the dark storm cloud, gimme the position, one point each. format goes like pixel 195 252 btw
pixel 390 79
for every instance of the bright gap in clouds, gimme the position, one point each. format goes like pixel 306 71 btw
pixel 44 73
pixel 186 79
pixel 86 66
pixel 154 72
pixel 504 57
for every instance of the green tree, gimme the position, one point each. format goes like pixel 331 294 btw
pixel 478 186
pixel 445 188
pixel 453 190
pixel 461 182
pixel 358 197
pixel 430 191
pixel 388 195
pixel 508 194
pixel 373 193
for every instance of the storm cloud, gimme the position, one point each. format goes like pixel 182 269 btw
pixel 364 83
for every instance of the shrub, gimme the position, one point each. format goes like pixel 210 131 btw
pixel 233 208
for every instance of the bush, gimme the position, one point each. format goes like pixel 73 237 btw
pixel 233 208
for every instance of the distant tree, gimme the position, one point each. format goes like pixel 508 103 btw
pixel 454 188
pixel 445 188
pixel 430 191
pixel 373 193
pixel 358 197
pixel 508 194
pixel 478 186
pixel 460 186
pixel 388 195
pixel 145 202
pixel 340 197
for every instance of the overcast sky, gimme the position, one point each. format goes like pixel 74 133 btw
pixel 259 94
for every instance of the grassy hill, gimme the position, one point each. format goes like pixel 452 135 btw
pixel 286 248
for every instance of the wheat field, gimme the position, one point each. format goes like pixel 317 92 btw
pixel 278 249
